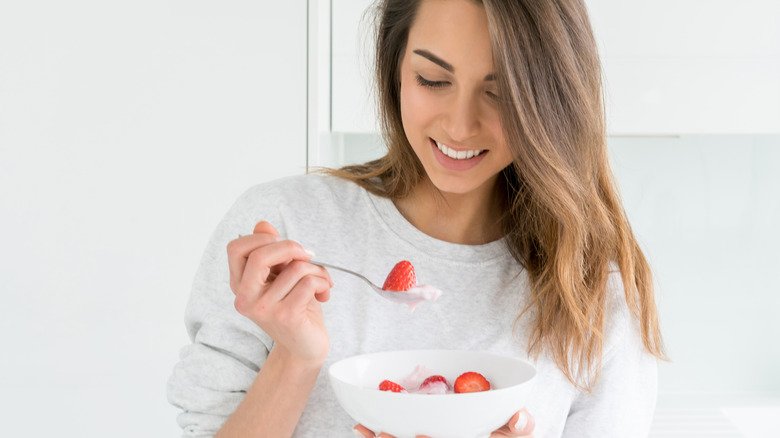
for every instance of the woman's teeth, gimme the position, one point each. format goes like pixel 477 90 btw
pixel 457 155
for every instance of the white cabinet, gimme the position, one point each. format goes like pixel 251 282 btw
pixel 690 66
pixel 670 66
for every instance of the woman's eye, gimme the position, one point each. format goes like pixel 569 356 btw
pixel 430 84
pixel 440 84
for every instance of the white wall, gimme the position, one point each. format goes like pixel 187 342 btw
pixel 706 211
pixel 126 130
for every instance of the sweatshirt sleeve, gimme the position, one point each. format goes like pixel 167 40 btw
pixel 226 350
pixel 623 400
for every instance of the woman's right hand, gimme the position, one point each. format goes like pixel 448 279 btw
pixel 277 288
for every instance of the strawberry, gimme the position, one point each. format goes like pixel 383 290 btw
pixel 401 278
pixel 388 385
pixel 471 382
pixel 432 379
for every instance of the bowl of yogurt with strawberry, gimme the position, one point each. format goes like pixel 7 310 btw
pixel 439 393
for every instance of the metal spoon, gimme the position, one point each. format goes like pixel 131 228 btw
pixel 411 298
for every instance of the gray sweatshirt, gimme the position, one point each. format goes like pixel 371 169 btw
pixel 484 290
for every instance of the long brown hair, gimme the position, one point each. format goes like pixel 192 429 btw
pixel 563 222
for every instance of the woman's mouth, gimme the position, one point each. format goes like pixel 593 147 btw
pixel 452 159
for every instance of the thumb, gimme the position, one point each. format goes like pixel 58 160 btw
pixel 523 424
pixel 265 227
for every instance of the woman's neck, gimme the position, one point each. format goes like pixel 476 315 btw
pixel 470 218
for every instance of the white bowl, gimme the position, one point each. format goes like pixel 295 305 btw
pixel 355 381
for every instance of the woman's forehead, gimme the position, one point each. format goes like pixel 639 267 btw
pixel 455 31
pixel 451 19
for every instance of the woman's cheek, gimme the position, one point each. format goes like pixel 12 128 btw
pixel 416 101
pixel 414 113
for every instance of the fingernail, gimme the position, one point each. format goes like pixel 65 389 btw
pixel 522 421
pixel 310 253
pixel 357 432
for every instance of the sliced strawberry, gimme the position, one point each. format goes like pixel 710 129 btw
pixel 471 382
pixel 433 379
pixel 388 385
pixel 401 278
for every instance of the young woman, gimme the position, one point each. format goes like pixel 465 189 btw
pixel 496 185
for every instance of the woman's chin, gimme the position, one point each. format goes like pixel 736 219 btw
pixel 453 185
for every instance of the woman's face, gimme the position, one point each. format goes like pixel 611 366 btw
pixel 448 96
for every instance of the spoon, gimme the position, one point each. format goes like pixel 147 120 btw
pixel 411 297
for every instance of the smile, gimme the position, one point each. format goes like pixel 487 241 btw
pixel 454 160
pixel 458 155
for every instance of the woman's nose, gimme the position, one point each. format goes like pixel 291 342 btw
pixel 462 121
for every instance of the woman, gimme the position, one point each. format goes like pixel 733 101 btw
pixel 496 186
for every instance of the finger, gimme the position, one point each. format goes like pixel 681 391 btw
pixel 265 227
pixel 521 424
pixel 507 429
pixel 292 275
pixel 300 296
pixel 385 435
pixel 363 431
pixel 238 251
pixel 261 260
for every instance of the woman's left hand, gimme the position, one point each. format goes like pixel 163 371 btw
pixel 520 425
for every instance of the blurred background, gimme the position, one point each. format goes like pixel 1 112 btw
pixel 128 129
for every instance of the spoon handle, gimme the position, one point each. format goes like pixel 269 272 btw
pixel 328 265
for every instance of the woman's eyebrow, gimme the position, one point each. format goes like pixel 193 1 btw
pixel 444 64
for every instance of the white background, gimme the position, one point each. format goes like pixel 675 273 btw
pixel 127 129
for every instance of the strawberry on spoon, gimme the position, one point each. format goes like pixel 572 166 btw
pixel 399 287
pixel 401 278
pixel 402 282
